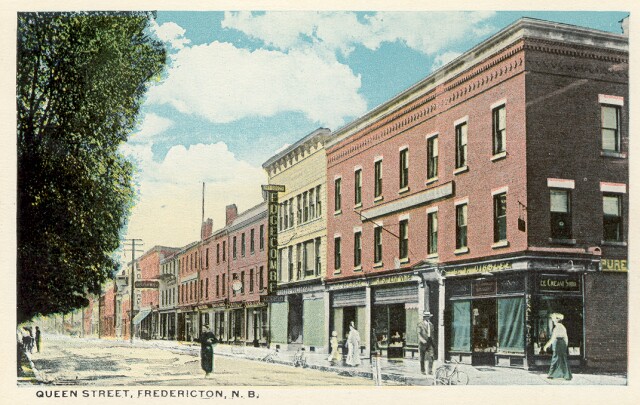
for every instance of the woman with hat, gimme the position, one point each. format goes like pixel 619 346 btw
pixel 207 340
pixel 559 341
pixel 353 340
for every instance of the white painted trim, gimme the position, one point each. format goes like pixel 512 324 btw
pixel 336 177
pixel 619 188
pixel 357 229
pixel 431 135
pixel 498 104
pixel 561 183
pixel 460 201
pixel 432 209
pixel 500 190
pixel 461 121
pixel 377 158
pixel 356 168
pixel 403 147
pixel 378 224
pixel 404 217
pixel 612 100
pixel 337 235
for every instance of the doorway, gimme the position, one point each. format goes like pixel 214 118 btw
pixel 484 331
pixel 295 318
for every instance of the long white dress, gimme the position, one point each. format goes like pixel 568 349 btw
pixel 353 357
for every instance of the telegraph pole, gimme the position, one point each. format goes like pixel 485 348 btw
pixel 132 287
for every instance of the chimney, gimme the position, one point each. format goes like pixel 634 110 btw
pixel 207 228
pixel 232 213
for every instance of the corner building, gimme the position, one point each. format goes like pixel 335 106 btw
pixel 298 310
pixel 492 194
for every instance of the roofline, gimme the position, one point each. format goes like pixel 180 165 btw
pixel 523 28
pixel 324 133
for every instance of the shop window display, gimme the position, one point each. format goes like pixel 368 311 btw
pixel 571 308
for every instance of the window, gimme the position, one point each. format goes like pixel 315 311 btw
pixel 261 280
pixel 250 280
pixel 218 253
pixel 305 204
pixel 612 217
pixel 377 244
pixel 290 261
pixel 261 237
pixel 357 249
pixel 499 129
pixel 242 244
pixel 234 248
pixel 206 288
pixel 242 282
pixel 252 244
pixel 299 261
pixel 461 226
pixel 280 216
pixel 432 233
pixel 461 145
pixel 299 209
pixel 224 285
pixel 610 128
pixel 290 213
pixel 312 204
pixel 432 157
pixel 280 262
pixel 201 288
pixel 224 250
pixel 338 197
pixel 404 239
pixel 500 217
pixel 337 254
pixel 309 265
pixel 318 257
pixel 358 187
pixel 404 168
pixel 217 285
pixel 377 172
pixel 285 212
pixel 207 258
pixel 560 200
pixel 318 205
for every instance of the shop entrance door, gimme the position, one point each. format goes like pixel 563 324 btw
pixel 295 318
pixel 484 331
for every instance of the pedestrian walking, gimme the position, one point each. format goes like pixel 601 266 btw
pixel 426 344
pixel 334 355
pixel 560 343
pixel 353 342
pixel 27 339
pixel 38 339
pixel 207 341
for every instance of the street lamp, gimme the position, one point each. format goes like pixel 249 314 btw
pixel 255 329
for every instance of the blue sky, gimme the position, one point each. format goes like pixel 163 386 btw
pixel 241 85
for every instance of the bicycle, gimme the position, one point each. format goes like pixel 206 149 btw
pixel 449 374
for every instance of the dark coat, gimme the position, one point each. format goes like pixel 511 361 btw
pixel 207 340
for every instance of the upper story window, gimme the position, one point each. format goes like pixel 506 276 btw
pixel 499 114
pixel 224 250
pixel 337 253
pixel 404 239
pixel 358 187
pixel 217 253
pixel 610 121
pixel 305 204
pixel 432 232
pixel 612 217
pixel 500 217
pixel 261 237
pixel 377 173
pixel 338 195
pixel 235 251
pixel 312 204
pixel 252 243
pixel 404 168
pixel 432 157
pixel 461 145
pixel 242 245
pixel 461 226
pixel 284 215
pixel 299 208
pixel 357 249
pixel 560 203
pixel 318 257
pixel 377 244
pixel 290 215
pixel 318 202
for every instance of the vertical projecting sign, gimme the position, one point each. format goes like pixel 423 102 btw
pixel 271 192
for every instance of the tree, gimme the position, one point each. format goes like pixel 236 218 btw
pixel 81 78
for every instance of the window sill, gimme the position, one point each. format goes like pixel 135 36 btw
pixel 613 243
pixel 431 180
pixel 461 170
pixel 357 269
pixel 562 241
pixel 378 199
pixel 338 271
pixel 336 213
pixel 500 244
pixel 461 251
pixel 612 154
pixel 432 256
pixel 358 205
pixel 404 190
pixel 404 261
pixel 499 156
pixel 378 265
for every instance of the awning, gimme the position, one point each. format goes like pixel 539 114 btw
pixel 140 316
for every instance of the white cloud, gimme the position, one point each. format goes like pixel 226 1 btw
pixel 170 33
pixel 427 32
pixel 151 126
pixel 443 59
pixel 223 83
pixel 170 205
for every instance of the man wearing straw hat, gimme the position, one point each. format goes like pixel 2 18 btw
pixel 426 345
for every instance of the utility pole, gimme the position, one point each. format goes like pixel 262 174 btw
pixel 199 281
pixel 132 287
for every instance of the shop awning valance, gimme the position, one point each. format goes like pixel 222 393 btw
pixel 140 316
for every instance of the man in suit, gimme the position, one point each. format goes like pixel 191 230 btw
pixel 426 343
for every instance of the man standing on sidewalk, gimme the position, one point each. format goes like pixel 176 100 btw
pixel 426 344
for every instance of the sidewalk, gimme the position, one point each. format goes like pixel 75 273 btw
pixel 404 372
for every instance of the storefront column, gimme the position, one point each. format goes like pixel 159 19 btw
pixel 441 328
pixel 368 321
pixel 422 302
pixel 327 319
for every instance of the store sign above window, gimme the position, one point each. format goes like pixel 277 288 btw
pixel 480 268
pixel 348 284
pixel 559 283
pixel 614 265
pixel 401 278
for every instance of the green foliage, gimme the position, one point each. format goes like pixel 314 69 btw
pixel 81 78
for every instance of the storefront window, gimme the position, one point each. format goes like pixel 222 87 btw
pixel 389 322
pixel 511 324
pixel 571 308
pixel 461 333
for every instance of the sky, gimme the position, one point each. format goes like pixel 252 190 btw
pixel 241 86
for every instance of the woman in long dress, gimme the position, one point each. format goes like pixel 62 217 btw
pixel 353 358
pixel 207 340
pixel 334 356
pixel 559 341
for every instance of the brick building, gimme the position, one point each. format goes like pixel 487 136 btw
pixel 302 239
pixel 188 292
pixel 168 292
pixel 492 193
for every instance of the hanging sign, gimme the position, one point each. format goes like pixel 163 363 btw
pixel 271 192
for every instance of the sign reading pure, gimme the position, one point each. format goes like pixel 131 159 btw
pixel 271 191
